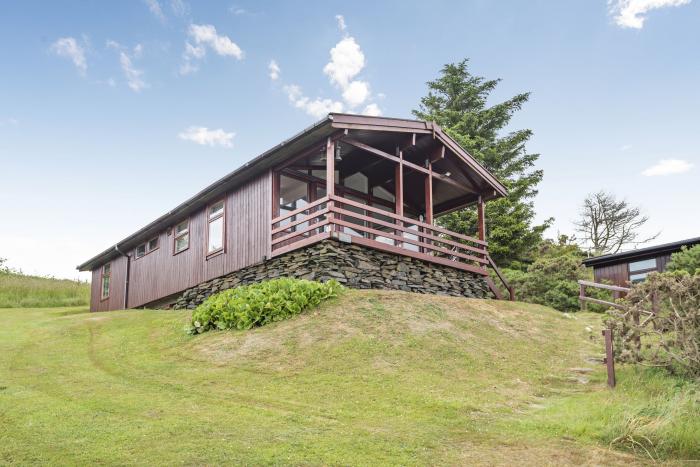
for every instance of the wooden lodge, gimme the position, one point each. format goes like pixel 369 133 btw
pixel 629 267
pixel 372 182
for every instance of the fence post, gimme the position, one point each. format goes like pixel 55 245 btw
pixel 609 359
pixel 581 296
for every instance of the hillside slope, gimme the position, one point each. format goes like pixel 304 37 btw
pixel 371 378
pixel 20 290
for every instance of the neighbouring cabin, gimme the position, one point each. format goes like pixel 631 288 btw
pixel 352 197
pixel 630 267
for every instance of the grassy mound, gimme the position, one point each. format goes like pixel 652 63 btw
pixel 19 290
pixel 371 377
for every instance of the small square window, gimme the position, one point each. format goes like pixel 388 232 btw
pixel 152 244
pixel 216 209
pixel 141 250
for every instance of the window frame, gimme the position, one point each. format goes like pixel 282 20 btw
pixel 104 297
pixel 645 271
pixel 146 244
pixel 208 254
pixel 176 236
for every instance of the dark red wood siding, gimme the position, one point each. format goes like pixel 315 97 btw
pixel 160 273
pixel 116 293
pixel 616 274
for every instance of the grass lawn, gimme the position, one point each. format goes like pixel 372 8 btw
pixel 372 377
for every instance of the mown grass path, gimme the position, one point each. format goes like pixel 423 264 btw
pixel 370 378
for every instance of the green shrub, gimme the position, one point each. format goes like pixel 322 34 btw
pixel 259 304
pixel 660 325
pixel 552 278
pixel 688 260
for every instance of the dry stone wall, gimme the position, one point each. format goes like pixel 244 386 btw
pixel 351 265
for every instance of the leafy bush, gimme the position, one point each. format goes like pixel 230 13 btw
pixel 552 278
pixel 260 304
pixel 688 260
pixel 661 324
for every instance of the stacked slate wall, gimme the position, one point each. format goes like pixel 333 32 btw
pixel 351 265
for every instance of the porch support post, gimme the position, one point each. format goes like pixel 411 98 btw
pixel 428 202
pixel 330 176
pixel 481 220
pixel 398 192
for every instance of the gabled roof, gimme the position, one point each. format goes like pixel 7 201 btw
pixel 641 253
pixel 278 154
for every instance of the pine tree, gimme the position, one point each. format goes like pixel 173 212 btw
pixel 457 101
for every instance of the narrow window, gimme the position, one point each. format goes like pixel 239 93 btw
pixel 145 248
pixel 141 250
pixel 215 233
pixel 182 236
pixel 105 282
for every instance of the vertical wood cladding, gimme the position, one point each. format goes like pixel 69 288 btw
pixel 615 273
pixel 115 301
pixel 159 273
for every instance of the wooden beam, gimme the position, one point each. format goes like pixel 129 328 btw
pixel 410 142
pixel 437 153
pixel 429 196
pixel 481 218
pixel 330 175
pixel 370 149
pixel 398 192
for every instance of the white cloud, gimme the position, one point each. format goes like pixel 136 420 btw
pixel 8 121
pixel 179 7
pixel 206 137
pixel 347 60
pixel 156 9
pixel 625 147
pixel 356 93
pixel 668 167
pixel 133 75
pixel 317 107
pixel 274 70
pixel 205 34
pixel 341 22
pixel 68 47
pixel 237 10
pixel 372 110
pixel 632 13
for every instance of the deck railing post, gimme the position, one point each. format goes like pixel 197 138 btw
pixel 330 179
pixel 609 359
pixel 398 194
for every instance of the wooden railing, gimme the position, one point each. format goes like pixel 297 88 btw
pixel 583 298
pixel 374 227
pixel 501 277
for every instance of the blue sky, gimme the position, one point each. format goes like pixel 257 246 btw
pixel 113 113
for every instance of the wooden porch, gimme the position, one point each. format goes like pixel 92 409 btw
pixel 352 189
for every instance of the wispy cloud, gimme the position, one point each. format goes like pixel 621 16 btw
pixel 180 8
pixel 205 36
pixel 274 70
pixel 133 76
pixel 632 13
pixel 206 137
pixel 625 147
pixel 346 62
pixel 10 121
pixel 315 107
pixel 155 9
pixel 668 167
pixel 68 47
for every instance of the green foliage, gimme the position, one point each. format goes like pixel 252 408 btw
pixel 457 101
pixel 260 304
pixel 688 260
pixel 19 290
pixel 661 324
pixel 552 278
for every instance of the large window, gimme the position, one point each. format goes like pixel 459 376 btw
pixel 105 279
pixel 639 270
pixel 215 232
pixel 181 236
pixel 147 247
